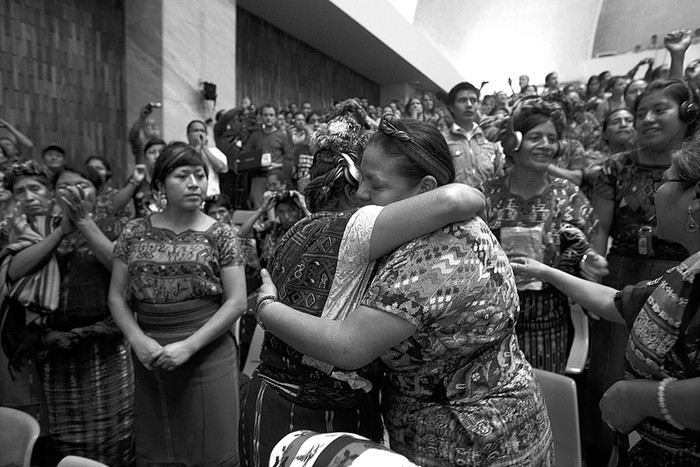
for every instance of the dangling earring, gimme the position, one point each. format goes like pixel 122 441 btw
pixel 163 200
pixel 691 225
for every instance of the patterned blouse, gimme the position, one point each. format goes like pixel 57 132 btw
pixel 563 211
pixel 630 185
pixel 111 222
pixel 463 363
pixel 165 267
pixel 663 317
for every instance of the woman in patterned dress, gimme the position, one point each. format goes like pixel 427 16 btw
pixel 666 114
pixel 658 397
pixel 82 357
pixel 537 215
pixel 182 273
pixel 440 313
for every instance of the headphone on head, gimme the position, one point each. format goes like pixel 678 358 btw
pixel 513 139
pixel 688 110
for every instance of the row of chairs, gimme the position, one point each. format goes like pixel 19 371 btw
pixel 18 434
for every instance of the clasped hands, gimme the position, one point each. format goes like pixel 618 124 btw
pixel 165 357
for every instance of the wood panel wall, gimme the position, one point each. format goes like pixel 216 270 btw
pixel 61 75
pixel 272 66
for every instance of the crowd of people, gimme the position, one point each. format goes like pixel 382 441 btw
pixel 410 265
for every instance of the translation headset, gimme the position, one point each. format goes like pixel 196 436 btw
pixel 514 139
pixel 689 111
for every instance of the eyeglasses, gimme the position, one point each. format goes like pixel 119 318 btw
pixel 659 182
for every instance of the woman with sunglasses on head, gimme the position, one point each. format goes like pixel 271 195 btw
pixel 325 262
pixel 623 198
pixel 537 215
pixel 440 313
pixel 658 397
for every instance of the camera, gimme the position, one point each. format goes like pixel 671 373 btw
pixel 283 195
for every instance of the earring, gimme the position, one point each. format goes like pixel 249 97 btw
pixel 691 225
pixel 163 201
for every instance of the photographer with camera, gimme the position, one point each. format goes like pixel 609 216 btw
pixel 214 159
pixel 284 209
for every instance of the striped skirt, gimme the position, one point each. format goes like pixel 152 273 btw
pixel 89 394
pixel 268 417
pixel 544 328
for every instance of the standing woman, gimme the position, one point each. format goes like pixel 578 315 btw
pixel 81 355
pixel 182 273
pixel 543 217
pixel 145 201
pixel 430 112
pixel 619 136
pixel 623 198
pixel 414 109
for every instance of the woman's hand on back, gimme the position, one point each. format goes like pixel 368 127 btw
pixel 527 267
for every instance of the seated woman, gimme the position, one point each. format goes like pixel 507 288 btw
pixel 659 394
pixel 81 355
pixel 440 313
pixel 546 217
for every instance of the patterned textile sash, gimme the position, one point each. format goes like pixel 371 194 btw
pixel 176 319
pixel 39 290
pixel 351 279
pixel 309 449
pixel 653 349
pixel 30 299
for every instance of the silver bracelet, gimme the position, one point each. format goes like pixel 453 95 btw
pixel 262 303
pixel 661 399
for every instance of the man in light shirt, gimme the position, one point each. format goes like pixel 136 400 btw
pixel 214 159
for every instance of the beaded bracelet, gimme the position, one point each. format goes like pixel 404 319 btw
pixel 661 399
pixel 262 303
